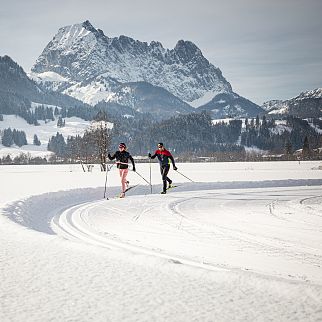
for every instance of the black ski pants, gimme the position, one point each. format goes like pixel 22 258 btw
pixel 164 169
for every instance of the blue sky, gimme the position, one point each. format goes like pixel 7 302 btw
pixel 265 49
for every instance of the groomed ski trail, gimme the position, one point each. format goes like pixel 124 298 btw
pixel 74 224
pixel 201 228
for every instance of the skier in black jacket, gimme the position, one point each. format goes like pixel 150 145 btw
pixel 122 159
pixel 164 156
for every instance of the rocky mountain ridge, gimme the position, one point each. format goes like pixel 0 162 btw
pixel 83 62
pixel 307 104
pixel 231 105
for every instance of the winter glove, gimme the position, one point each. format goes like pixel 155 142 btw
pixel 149 155
pixel 109 156
pixel 175 168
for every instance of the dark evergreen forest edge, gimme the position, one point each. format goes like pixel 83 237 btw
pixel 189 136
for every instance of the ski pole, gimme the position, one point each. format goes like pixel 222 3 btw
pixel 184 175
pixel 107 170
pixel 142 178
pixel 105 184
pixel 150 176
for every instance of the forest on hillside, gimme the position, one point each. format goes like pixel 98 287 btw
pixel 189 137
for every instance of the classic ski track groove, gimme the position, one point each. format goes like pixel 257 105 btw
pixel 244 239
pixel 70 224
pixel 76 223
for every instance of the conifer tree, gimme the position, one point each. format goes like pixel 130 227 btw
pixel 246 123
pixel 257 122
pixel 57 145
pixel 7 137
pixel 306 153
pixel 288 148
pixel 19 138
pixel 60 122
pixel 36 140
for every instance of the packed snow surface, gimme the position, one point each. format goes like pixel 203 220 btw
pixel 243 242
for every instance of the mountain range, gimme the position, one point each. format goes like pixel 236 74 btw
pixel 84 63
pixel 307 104
pixel 83 67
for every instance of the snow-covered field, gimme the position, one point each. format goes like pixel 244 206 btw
pixel 44 131
pixel 241 243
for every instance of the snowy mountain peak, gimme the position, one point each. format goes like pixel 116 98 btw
pixel 156 44
pixel 87 25
pixel 307 104
pixel 271 105
pixel 187 50
pixel 82 53
pixel 95 68
pixel 72 35
pixel 315 93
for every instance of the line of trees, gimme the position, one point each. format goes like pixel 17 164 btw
pixel 24 158
pixel 10 137
pixel 262 134
pixel 192 134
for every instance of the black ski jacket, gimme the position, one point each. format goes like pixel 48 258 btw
pixel 122 159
